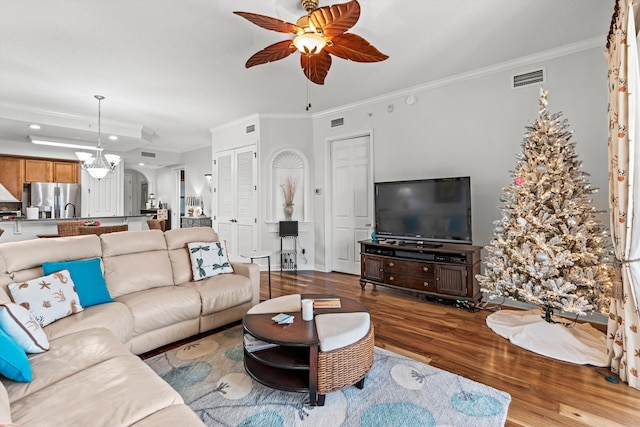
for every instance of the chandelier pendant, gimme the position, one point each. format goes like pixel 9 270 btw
pixel 101 164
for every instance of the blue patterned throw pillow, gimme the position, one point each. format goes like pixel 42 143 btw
pixel 208 259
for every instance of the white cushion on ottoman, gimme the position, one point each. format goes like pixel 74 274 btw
pixel 336 330
pixel 284 304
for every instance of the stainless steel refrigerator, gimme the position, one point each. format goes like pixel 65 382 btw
pixel 55 200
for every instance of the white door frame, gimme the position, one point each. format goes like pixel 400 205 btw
pixel 328 204
pixel 175 211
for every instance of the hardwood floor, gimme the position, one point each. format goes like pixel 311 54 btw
pixel 544 391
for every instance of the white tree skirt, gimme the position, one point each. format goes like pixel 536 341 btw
pixel 582 344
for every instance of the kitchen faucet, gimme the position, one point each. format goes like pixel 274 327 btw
pixel 74 208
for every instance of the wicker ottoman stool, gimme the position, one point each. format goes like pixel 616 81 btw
pixel 346 351
pixel 329 353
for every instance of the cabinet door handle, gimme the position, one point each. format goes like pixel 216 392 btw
pixel 426 284
pixel 391 279
pixel 425 268
pixel 391 264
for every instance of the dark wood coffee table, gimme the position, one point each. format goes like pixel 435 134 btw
pixel 293 364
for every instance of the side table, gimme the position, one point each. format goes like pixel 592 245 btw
pixel 257 255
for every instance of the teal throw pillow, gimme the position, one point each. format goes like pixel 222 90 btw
pixel 88 278
pixel 14 363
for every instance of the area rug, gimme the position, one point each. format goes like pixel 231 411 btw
pixel 581 343
pixel 398 391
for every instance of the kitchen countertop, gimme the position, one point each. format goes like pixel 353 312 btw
pixel 25 229
pixel 24 219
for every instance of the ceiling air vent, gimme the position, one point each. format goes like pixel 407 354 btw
pixel 251 128
pixel 337 122
pixel 527 79
pixel 148 154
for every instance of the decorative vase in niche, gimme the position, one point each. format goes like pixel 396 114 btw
pixel 288 211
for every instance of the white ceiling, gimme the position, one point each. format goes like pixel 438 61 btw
pixel 170 70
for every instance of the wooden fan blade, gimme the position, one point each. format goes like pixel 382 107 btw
pixel 270 23
pixel 336 19
pixel 355 48
pixel 271 53
pixel 316 67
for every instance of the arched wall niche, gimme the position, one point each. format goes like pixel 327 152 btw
pixel 289 166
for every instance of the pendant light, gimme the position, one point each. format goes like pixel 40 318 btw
pixel 102 164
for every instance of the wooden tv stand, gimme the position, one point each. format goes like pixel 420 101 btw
pixel 447 271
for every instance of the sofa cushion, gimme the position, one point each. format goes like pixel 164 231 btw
pixel 14 363
pixel 177 240
pixel 48 298
pixel 19 324
pixel 67 356
pixel 114 244
pixel 174 415
pixel 222 292
pixel 94 379
pixel 5 410
pixel 208 259
pixel 114 316
pixel 88 278
pixel 27 254
pixel 156 308
pixel 135 261
pixel 179 237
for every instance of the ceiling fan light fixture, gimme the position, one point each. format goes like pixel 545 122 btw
pixel 309 43
pixel 318 35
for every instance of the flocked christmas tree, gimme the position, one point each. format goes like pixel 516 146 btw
pixel 549 249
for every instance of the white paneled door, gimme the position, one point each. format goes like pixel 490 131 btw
pixel 352 204
pixel 103 197
pixel 236 199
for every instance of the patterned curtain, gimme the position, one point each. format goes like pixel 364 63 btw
pixel 623 329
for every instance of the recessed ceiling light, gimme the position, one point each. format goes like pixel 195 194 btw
pixel 113 137
pixel 140 164
pixel 34 126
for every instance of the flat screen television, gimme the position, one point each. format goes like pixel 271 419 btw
pixel 427 210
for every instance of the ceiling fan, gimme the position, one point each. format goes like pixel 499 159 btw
pixel 319 34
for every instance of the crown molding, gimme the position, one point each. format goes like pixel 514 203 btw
pixel 546 55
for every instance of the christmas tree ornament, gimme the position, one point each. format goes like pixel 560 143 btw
pixel 541 257
pixel 549 249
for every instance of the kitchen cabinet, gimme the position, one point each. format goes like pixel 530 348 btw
pixel 12 174
pixel 43 170
pixel 65 172
pixel 38 170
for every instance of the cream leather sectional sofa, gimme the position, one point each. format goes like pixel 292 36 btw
pixel 91 375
